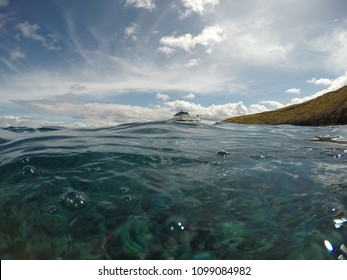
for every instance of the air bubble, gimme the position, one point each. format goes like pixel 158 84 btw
pixel 73 200
pixel 176 224
pixel 52 210
pixel 28 171
pixel 127 199
pixel 329 246
pixel 24 160
pixel 125 190
pixel 90 170
pixel 340 222
pixel 222 153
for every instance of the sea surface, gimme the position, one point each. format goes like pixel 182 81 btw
pixel 166 190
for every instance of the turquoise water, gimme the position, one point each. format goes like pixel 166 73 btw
pixel 164 190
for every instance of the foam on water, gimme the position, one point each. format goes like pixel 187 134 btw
pixel 163 190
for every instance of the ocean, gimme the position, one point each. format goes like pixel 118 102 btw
pixel 166 190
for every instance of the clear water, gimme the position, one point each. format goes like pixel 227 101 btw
pixel 164 190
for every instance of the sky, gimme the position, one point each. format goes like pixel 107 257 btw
pixel 109 62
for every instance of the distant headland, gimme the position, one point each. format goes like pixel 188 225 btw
pixel 328 109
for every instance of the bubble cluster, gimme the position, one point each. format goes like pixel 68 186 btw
pixel 176 224
pixel 74 200
pixel 340 222
pixel 340 252
pixel 222 153
pixel 339 156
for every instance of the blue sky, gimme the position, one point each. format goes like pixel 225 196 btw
pixel 107 62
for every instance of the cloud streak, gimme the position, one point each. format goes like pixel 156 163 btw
pixel 31 31
pixel 129 76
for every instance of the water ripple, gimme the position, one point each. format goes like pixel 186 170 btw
pixel 163 190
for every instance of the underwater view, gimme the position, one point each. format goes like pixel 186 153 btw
pixel 166 190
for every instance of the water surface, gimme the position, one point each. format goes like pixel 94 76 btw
pixel 163 190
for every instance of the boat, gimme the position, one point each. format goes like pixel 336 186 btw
pixel 185 117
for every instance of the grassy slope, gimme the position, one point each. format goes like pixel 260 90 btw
pixel 328 109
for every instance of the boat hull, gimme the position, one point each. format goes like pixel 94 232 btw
pixel 187 119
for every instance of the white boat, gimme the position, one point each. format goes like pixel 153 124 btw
pixel 184 117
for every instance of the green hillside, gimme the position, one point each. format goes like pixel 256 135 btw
pixel 328 109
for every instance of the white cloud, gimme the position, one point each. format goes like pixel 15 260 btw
pixel 16 54
pixel 4 3
pixel 338 82
pixel 256 108
pixel 185 42
pixel 274 104
pixel 193 62
pixel 256 48
pixel 97 114
pixel 320 82
pixel 332 47
pixel 144 4
pixel 255 36
pixel 102 114
pixel 124 76
pixel 33 85
pixel 167 50
pixel 131 31
pixel 335 85
pixel 210 36
pixel 201 7
pixel 161 96
pixel 31 31
pixel 189 96
pixel 29 121
pixel 212 112
pixel 293 91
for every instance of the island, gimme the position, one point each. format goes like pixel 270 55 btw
pixel 327 109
